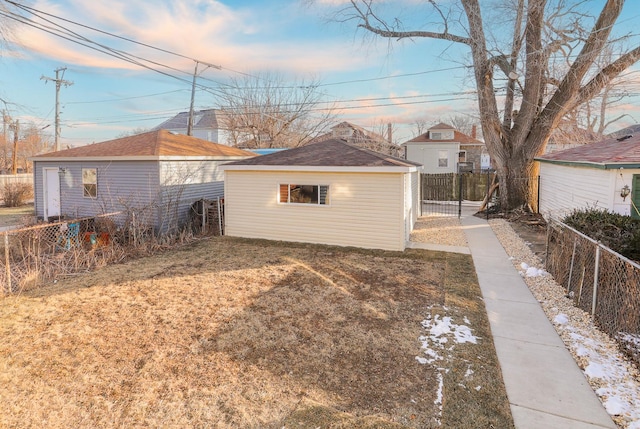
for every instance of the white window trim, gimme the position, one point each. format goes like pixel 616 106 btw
pixel 318 204
pixel 83 183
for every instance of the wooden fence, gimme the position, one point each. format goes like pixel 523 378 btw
pixel 446 187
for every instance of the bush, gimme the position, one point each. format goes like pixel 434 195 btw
pixel 16 194
pixel 618 232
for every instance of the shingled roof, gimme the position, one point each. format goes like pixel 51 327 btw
pixel 329 153
pixel 458 137
pixel 202 119
pixel 149 145
pixel 610 153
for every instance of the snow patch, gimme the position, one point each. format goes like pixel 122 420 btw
pixel 561 319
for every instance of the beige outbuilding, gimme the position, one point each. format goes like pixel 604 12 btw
pixel 330 192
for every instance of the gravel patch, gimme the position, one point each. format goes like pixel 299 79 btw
pixel 444 230
pixel 614 379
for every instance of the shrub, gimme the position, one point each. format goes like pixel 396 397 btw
pixel 16 194
pixel 618 232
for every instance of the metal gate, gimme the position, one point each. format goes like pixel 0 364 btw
pixel 441 194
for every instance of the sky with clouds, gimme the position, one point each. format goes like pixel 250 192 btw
pixel 409 80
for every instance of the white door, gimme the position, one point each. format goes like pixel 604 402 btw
pixel 51 193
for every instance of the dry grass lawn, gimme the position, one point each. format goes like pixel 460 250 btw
pixel 230 333
pixel 10 216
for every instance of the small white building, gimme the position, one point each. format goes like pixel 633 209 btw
pixel 603 175
pixel 330 192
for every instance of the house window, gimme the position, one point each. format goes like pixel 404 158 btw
pixel 443 158
pixel 304 194
pixel 436 135
pixel 462 156
pixel 90 182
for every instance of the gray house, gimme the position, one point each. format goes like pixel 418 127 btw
pixel 158 173
pixel 207 125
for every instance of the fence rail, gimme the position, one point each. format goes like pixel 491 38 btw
pixel 34 255
pixel 600 281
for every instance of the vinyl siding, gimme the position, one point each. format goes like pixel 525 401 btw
pixel 120 185
pixel 365 209
pixel 427 155
pixel 565 188
pixel 183 183
pixel 412 201
pixel 124 185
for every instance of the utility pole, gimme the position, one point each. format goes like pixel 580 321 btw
pixel 59 81
pixel 14 160
pixel 6 121
pixel 193 94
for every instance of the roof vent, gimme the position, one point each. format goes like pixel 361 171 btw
pixel 623 138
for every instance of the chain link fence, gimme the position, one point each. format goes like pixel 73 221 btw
pixel 600 282
pixel 34 255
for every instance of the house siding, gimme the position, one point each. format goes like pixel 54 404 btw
pixel 364 210
pixel 412 202
pixel 427 155
pixel 565 188
pixel 183 183
pixel 120 185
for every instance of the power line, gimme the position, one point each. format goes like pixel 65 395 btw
pixel 125 98
pixel 34 10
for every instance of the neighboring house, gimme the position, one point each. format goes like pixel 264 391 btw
pixel 157 171
pixel 362 138
pixel 207 125
pixel 569 135
pixel 593 175
pixel 443 149
pixel 331 192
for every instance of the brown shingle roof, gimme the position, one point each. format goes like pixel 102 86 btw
pixel 611 151
pixel 329 153
pixel 458 137
pixel 151 144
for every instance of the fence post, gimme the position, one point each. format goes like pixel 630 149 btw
pixel 486 209
pixel 204 216
pixel 219 217
pixel 595 280
pixel 538 197
pixel 7 262
pixel 573 257
pixel 133 223
pixel 459 195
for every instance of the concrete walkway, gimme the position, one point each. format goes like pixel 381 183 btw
pixel 545 386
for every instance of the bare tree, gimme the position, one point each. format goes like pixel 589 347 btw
pixel 266 111
pixel 132 132
pixel 538 89
pixel 33 141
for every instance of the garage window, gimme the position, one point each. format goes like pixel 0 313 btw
pixel 90 182
pixel 304 194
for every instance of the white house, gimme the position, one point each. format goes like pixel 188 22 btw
pixel 330 192
pixel 603 175
pixel 443 149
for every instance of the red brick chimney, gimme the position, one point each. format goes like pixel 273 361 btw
pixel 473 131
